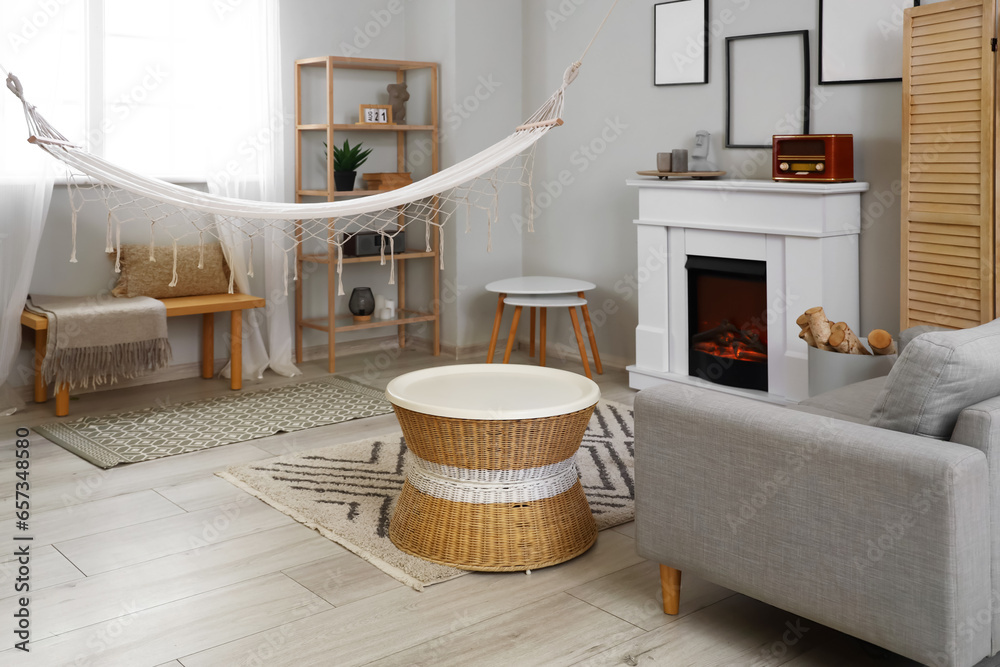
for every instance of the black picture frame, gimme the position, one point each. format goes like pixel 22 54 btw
pixel 680 43
pixel 861 41
pixel 774 107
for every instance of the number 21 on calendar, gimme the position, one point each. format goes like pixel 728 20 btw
pixel 375 114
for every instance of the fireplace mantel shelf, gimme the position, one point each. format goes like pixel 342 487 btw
pixel 736 185
pixel 809 210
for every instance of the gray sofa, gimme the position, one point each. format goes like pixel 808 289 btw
pixel 873 509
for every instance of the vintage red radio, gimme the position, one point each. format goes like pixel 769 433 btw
pixel 821 158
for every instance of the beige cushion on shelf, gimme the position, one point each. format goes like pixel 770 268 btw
pixel 140 277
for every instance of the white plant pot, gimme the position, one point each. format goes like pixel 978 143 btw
pixel 832 370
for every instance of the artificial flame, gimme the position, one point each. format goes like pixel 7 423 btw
pixel 728 342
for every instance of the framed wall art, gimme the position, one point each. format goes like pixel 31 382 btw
pixel 680 42
pixel 861 41
pixel 767 87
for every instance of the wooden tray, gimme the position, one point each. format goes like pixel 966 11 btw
pixel 663 175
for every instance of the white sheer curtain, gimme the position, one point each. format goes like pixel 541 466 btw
pixel 26 181
pixel 246 161
pixel 24 205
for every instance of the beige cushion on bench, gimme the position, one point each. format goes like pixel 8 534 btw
pixel 140 277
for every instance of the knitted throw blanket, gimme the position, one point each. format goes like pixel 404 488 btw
pixel 98 340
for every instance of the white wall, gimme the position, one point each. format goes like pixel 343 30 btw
pixel 617 120
pixel 478 43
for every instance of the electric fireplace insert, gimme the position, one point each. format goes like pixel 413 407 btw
pixel 727 316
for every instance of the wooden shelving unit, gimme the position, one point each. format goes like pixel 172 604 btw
pixel 333 324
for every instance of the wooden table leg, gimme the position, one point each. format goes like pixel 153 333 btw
pixel 541 337
pixel 41 341
pixel 670 582
pixel 579 341
pixel 531 341
pixel 62 400
pixel 236 349
pixel 513 334
pixel 208 345
pixel 496 329
pixel 590 334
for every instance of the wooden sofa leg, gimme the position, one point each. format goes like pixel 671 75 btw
pixel 670 582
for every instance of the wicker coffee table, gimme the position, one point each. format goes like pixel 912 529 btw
pixel 493 485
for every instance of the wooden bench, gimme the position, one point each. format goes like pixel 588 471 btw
pixel 206 306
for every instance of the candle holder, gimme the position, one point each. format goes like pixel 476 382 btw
pixel 362 304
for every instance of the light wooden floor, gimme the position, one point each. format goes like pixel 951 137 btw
pixel 162 563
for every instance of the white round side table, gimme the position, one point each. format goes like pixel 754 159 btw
pixel 493 484
pixel 527 288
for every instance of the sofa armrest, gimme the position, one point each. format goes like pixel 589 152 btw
pixel 979 426
pixel 873 532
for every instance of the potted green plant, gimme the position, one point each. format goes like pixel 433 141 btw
pixel 346 161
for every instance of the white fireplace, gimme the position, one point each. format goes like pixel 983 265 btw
pixel 806 234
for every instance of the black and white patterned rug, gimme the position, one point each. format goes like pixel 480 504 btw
pixel 347 492
pixel 143 435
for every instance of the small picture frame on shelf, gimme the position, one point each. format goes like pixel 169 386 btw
pixel 375 114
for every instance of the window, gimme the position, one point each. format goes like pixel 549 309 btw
pixel 142 82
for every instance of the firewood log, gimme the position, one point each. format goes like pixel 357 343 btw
pixel 805 333
pixel 844 340
pixel 807 336
pixel 820 327
pixel 881 342
pixel 838 326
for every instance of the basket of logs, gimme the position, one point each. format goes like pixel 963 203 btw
pixel 838 357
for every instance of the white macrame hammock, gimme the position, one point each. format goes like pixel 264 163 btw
pixel 185 215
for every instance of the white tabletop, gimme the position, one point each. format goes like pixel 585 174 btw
pixel 545 300
pixel 493 391
pixel 539 285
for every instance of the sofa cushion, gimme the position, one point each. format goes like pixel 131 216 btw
pixel 906 335
pixel 937 376
pixel 852 403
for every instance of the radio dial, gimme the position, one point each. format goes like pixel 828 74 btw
pixel 783 166
pixel 820 166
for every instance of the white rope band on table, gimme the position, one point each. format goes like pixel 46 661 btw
pixel 486 487
pixel 493 476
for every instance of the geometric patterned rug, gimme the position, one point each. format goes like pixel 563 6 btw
pixel 153 433
pixel 347 492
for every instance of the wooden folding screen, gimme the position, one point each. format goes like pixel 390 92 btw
pixel 948 222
